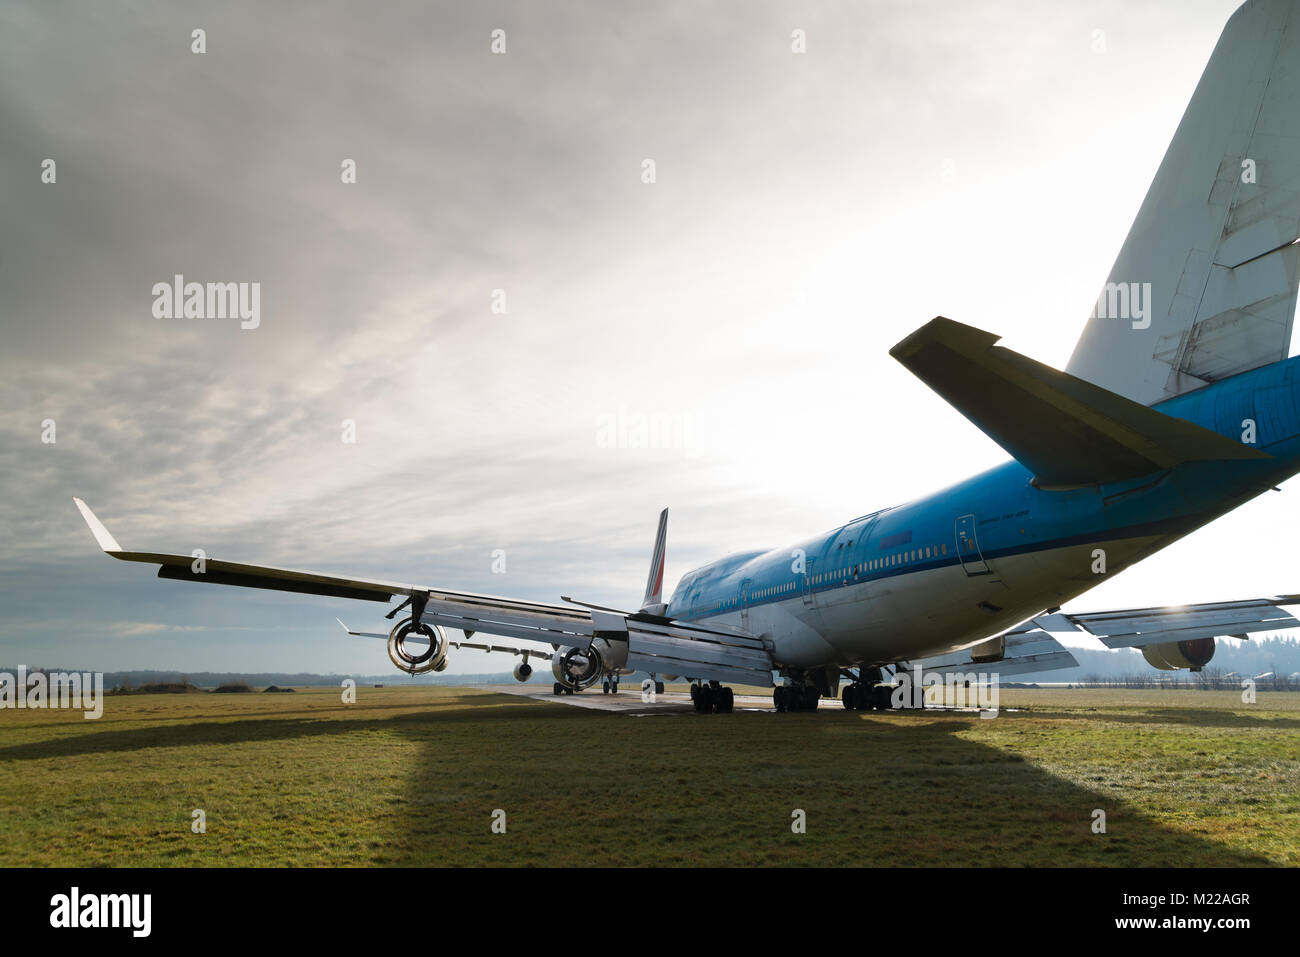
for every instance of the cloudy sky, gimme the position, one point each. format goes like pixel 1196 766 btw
pixel 808 210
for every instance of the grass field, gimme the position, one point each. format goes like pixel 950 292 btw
pixel 411 776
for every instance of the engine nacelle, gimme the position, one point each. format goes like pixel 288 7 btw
pixel 576 668
pixel 523 670
pixel 417 647
pixel 1173 655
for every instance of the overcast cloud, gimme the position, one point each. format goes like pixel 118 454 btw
pixel 809 210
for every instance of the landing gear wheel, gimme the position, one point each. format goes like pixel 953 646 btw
pixel 727 704
pixel 778 698
pixel 850 697
pixel 604 687
pixel 880 697
pixel 811 696
pixel 557 689
pixel 568 691
pixel 659 687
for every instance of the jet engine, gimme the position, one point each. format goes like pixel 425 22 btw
pixel 417 647
pixel 523 670
pixel 1173 655
pixel 576 668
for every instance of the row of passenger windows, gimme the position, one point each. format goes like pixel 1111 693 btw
pixel 889 561
pixel 902 558
pixel 843 574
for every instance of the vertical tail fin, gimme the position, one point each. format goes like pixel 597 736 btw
pixel 654 586
pixel 1205 284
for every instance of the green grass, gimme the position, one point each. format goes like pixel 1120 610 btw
pixel 410 776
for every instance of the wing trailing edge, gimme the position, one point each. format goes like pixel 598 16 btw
pixel 1020 652
pixel 1138 627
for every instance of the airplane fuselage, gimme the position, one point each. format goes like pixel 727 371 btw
pixel 980 557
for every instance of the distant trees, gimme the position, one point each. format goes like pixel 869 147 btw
pixel 233 687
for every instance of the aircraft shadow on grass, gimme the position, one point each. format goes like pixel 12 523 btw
pixel 612 789
pixel 589 787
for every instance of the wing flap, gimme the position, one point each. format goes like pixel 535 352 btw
pixel 1135 627
pixel 1024 652
pixel 683 650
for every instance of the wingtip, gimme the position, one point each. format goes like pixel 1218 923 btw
pixel 946 331
pixel 103 538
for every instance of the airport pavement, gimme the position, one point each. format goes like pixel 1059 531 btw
pixel 628 700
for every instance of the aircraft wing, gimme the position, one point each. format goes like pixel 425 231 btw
pixel 1135 627
pixel 709 652
pixel 1030 648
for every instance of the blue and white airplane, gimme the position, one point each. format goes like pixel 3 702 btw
pixel 1178 405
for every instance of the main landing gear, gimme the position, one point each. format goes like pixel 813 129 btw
pixel 610 685
pixel 865 697
pixel 559 689
pixel 712 698
pixel 796 697
pixel 867 692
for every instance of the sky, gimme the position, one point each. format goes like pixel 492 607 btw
pixel 506 311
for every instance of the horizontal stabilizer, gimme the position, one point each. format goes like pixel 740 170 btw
pixel 1068 432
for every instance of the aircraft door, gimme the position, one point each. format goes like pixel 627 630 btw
pixel 968 547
